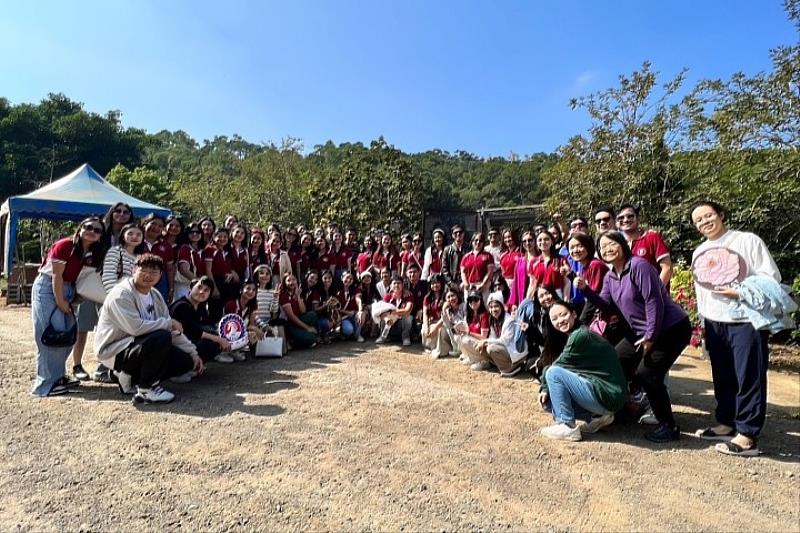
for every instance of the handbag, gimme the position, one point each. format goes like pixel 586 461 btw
pixel 90 285
pixel 269 347
pixel 60 339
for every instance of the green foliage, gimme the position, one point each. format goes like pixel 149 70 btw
pixel 143 183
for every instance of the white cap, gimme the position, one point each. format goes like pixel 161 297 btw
pixel 496 296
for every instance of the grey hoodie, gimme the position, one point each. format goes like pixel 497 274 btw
pixel 120 322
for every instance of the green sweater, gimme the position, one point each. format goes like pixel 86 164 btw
pixel 591 357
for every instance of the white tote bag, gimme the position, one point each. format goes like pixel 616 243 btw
pixel 269 347
pixel 90 285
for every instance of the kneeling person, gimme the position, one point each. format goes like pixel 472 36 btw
pixel 586 381
pixel 137 338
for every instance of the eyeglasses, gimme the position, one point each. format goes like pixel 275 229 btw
pixel 90 227
pixel 121 212
pixel 626 217
pixel 577 225
pixel 149 272
pixel 602 220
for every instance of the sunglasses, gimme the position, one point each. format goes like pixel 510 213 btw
pixel 90 227
pixel 602 220
pixel 474 301
pixel 121 212
pixel 193 231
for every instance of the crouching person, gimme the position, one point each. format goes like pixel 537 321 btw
pixel 500 349
pixel 136 337
pixel 397 323
pixel 192 312
pixel 585 381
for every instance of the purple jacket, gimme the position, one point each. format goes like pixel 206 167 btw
pixel 641 298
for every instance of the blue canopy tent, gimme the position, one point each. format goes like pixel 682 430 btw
pixel 77 195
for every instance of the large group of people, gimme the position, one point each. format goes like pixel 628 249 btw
pixel 586 310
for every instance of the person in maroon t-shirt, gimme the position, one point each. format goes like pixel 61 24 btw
pixel 434 334
pixel 323 260
pixel 509 256
pixel 386 256
pixel 474 329
pixel 546 269
pixel 364 259
pixel 477 267
pixel 239 254
pixel 52 292
pixel 154 243
pixel 218 267
pixel 340 255
pixel 258 255
pixel 418 289
pixel 398 322
pixel 648 244
pixel 348 308
pixel 413 256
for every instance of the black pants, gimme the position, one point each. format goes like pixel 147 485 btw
pixel 649 370
pixel 739 359
pixel 207 349
pixel 151 358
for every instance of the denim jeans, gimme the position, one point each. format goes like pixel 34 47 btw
pixel 350 328
pixel 571 396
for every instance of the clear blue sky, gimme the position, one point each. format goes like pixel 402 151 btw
pixel 487 77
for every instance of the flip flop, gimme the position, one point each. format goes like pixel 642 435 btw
pixel 731 448
pixel 710 434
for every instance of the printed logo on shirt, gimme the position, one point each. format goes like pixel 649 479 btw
pixel 641 251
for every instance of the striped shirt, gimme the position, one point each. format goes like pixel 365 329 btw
pixel 267 304
pixel 118 265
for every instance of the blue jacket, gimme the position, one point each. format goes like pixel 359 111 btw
pixel 764 303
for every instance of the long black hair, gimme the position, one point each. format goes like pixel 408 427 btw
pixel 470 312
pixel 108 221
pixel 96 253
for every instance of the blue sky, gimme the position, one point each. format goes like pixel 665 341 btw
pixel 486 77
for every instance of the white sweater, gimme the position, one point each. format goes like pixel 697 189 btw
pixel 758 259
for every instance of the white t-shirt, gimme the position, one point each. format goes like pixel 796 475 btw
pixel 147 307
pixel 757 258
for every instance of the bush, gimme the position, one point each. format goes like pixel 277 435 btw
pixel 682 290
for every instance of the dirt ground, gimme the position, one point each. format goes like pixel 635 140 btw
pixel 353 438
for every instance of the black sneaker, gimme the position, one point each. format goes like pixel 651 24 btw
pixel 664 433
pixel 80 373
pixel 57 390
pixel 68 382
pixel 102 374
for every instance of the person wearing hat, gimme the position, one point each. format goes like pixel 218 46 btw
pixel 499 349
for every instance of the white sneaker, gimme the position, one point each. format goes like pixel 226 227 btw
pixel 406 342
pixel 380 340
pixel 435 354
pixel 480 366
pixel 157 394
pixel 238 356
pixel 360 339
pixel 124 382
pixel 561 432
pixel 513 372
pixel 648 419
pixel 597 423
pixel 223 358
pixel 464 359
pixel 454 353
pixel 183 378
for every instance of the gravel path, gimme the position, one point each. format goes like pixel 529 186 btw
pixel 353 438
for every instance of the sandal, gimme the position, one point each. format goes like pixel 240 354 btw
pixel 731 448
pixel 710 434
